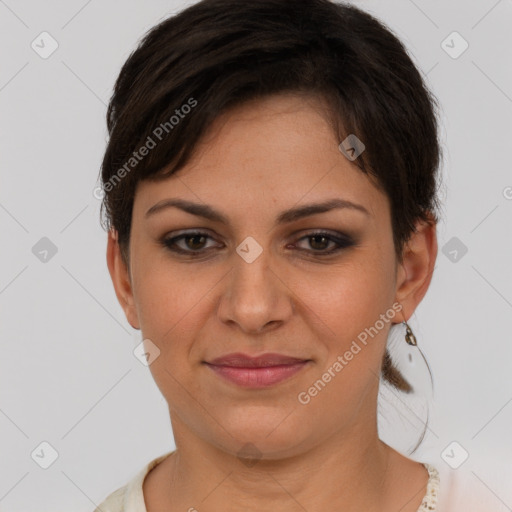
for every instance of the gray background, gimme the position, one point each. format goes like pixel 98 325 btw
pixel 68 374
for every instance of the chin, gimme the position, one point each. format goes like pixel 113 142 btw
pixel 268 437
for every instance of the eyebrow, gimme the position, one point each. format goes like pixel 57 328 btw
pixel 287 216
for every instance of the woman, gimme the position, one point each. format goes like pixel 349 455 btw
pixel 270 192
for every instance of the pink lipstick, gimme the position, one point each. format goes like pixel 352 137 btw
pixel 256 372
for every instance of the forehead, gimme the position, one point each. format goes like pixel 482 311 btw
pixel 280 149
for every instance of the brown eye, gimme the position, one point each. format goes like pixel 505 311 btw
pixel 320 241
pixel 197 241
pixel 192 243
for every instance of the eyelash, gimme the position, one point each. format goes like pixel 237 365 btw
pixel 342 242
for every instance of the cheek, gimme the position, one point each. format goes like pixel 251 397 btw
pixel 175 310
pixel 356 316
pixel 352 295
pixel 168 296
pixel 172 304
pixel 350 302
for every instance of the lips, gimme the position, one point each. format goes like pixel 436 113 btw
pixel 256 372
pixel 239 360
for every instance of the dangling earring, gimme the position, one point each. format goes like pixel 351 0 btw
pixel 409 335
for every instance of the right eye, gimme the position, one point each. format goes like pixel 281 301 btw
pixel 193 243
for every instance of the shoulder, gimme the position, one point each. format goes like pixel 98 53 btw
pixel 461 490
pixel 114 502
pixel 130 497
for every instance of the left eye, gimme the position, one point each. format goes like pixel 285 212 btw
pixel 319 241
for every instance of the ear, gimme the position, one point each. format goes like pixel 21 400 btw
pixel 415 272
pixel 121 279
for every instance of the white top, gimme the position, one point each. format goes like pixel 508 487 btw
pixel 448 492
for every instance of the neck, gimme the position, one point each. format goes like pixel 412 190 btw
pixel 349 471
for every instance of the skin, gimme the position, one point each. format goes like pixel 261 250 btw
pixel 258 160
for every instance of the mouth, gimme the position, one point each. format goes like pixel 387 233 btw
pixel 257 372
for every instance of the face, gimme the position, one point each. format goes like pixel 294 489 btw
pixel 254 280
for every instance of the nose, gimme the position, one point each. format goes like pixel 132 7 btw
pixel 255 297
